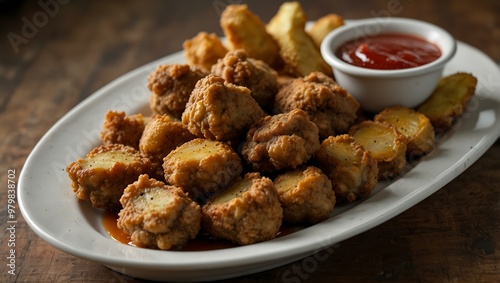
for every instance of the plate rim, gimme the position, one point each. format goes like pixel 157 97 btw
pixel 460 166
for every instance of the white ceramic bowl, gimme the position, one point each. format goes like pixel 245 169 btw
pixel 378 89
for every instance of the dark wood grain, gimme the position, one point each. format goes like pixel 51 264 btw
pixel 452 236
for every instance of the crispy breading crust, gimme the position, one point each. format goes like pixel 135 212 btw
pixel 203 50
pixel 310 200
pixel 201 177
pixel 162 135
pixel 103 187
pixel 156 215
pixel 282 141
pixel 297 49
pixel 252 216
pixel 327 104
pixel 171 86
pixel 239 69
pixel 123 129
pixel 351 168
pixel 449 100
pixel 220 111
pixel 244 30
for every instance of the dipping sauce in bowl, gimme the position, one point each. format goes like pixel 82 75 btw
pixel 395 61
pixel 388 52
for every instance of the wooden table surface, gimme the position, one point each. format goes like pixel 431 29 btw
pixel 55 53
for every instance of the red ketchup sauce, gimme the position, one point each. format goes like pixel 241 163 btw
pixel 388 52
pixel 203 242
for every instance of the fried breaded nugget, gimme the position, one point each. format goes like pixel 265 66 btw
pixel 156 215
pixel 203 50
pixel 246 212
pixel 321 27
pixel 171 86
pixel 220 111
pixel 202 167
pixel 244 30
pixel 300 54
pixel 123 129
pixel 414 125
pixel 105 172
pixel 385 144
pixel 351 168
pixel 237 68
pixel 306 196
pixel 282 141
pixel 327 104
pixel 449 100
pixel 160 137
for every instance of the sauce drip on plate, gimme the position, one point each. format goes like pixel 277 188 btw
pixel 388 52
pixel 203 242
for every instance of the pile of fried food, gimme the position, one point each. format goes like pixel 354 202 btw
pixel 252 134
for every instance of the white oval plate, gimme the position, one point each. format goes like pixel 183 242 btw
pixel 51 209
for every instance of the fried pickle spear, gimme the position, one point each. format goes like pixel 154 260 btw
pixel 449 99
pixel 244 30
pixel 386 145
pixel 352 169
pixel 321 27
pixel 297 49
pixel 414 125
pixel 203 50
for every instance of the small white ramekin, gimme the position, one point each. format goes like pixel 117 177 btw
pixel 378 89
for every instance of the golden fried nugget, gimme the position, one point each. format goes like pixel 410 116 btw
pixel 203 50
pixel 297 49
pixel 202 167
pixel 385 144
pixel 246 212
pixel 105 172
pixel 306 195
pixel 320 28
pixel 414 125
pixel 123 129
pixel 219 110
pixel 327 104
pixel 244 30
pixel 171 86
pixel 351 168
pixel 237 68
pixel 282 141
pixel 449 99
pixel 160 137
pixel 156 215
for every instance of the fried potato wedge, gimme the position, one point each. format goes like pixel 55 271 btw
pixel 297 49
pixel 449 99
pixel 386 145
pixel 414 125
pixel 323 26
pixel 244 30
